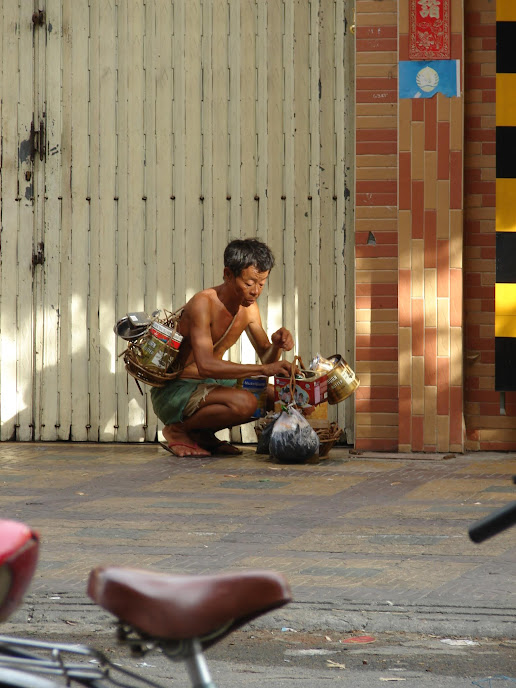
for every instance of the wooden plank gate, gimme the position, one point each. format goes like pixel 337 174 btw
pixel 137 138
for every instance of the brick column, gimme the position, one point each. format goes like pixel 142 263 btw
pixel 486 428
pixel 376 234
pixel 409 357
pixel 430 262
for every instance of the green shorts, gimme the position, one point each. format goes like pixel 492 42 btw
pixel 180 399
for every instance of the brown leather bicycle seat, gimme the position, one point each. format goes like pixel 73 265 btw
pixel 174 607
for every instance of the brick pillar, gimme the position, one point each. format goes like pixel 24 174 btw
pixel 376 235
pixel 486 428
pixel 408 245
pixel 430 225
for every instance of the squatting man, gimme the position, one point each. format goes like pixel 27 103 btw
pixel 204 398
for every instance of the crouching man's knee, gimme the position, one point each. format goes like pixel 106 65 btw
pixel 244 404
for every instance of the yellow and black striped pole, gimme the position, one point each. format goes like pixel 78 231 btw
pixel 505 287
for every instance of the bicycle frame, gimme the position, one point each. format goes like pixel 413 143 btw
pixel 63 660
pixel 23 661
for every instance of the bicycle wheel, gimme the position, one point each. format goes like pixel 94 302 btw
pixel 12 678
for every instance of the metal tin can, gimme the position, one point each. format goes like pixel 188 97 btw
pixel 160 347
pixel 342 381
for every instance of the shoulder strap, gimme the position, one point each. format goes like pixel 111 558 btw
pixel 177 315
pixel 225 333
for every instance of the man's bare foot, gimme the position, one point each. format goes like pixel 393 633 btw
pixel 207 440
pixel 179 443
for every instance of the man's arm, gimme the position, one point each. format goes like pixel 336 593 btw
pixel 268 351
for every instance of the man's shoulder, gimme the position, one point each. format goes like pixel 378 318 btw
pixel 206 296
pixel 202 301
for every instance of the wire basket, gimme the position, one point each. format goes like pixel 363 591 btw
pixel 327 438
pixel 150 375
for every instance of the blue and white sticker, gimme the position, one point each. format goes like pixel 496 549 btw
pixel 422 79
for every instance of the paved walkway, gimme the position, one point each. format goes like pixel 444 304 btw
pixel 370 541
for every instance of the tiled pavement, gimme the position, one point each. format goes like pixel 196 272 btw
pixel 384 534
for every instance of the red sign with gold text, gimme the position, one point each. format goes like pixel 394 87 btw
pixel 429 33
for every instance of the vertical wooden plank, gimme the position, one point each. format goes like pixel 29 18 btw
pixel 261 140
pixel 125 386
pixel 164 77
pixel 248 96
pixel 164 159
pixel 7 320
pixel 349 254
pixel 106 221
pixel 193 225
pixel 326 256
pixel 261 133
pixel 220 155
pixel 26 191
pixel 66 267
pixel 290 313
pixel 95 127
pixel 340 164
pixel 220 159
pixel 150 51
pixel 164 137
pixel 76 216
pixel 245 33
pixel 14 109
pixel 51 302
pixel 245 351
pixel 275 228
pixel 246 133
pixel 179 188
pixel 234 185
pixel 243 130
pixel 220 133
pixel 235 151
pixel 134 94
pixel 314 342
pixel 80 193
pixel 211 248
pixel 303 205
pixel 344 244
pixel 38 273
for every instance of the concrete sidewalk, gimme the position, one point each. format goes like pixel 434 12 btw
pixel 372 542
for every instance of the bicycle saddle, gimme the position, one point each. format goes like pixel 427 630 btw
pixel 173 607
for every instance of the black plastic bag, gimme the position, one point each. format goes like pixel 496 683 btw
pixel 293 440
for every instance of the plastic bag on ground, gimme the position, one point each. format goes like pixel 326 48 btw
pixel 293 440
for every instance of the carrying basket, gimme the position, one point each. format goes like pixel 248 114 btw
pixel 327 438
pixel 151 375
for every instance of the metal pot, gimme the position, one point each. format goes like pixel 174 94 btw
pixel 342 381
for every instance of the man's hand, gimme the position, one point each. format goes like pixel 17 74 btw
pixel 282 339
pixel 280 368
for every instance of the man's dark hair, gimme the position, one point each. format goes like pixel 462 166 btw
pixel 241 253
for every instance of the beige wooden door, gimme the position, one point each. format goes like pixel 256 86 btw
pixel 20 142
pixel 170 126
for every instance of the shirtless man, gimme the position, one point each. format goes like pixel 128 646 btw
pixel 204 398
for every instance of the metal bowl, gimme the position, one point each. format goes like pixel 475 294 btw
pixel 127 331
